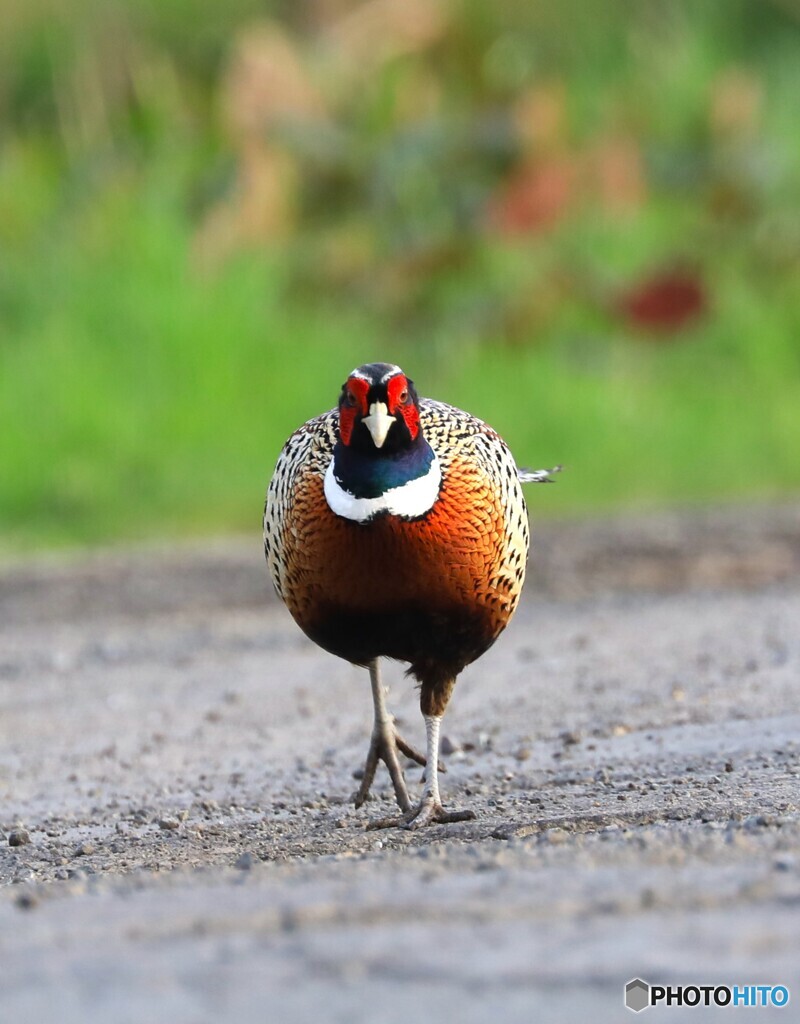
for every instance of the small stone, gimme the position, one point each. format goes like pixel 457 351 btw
pixel 450 745
pixel 729 766
pixel 647 898
pixel 245 861
pixel 757 821
pixel 786 862
pixel 168 824
pixel 555 835
pixel 84 850
pixel 18 837
pixel 570 737
pixel 27 900
pixel 510 832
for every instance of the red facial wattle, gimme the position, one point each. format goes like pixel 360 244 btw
pixel 354 404
pixel 397 394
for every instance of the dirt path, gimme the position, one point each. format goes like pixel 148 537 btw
pixel 184 775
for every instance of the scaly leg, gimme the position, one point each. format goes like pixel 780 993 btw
pixel 384 745
pixel 429 810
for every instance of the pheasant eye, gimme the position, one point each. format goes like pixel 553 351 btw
pixel 403 396
pixel 350 398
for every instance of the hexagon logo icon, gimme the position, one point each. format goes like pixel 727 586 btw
pixel 637 995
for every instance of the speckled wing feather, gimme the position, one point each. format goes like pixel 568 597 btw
pixel 477 462
pixel 308 451
pixel 479 476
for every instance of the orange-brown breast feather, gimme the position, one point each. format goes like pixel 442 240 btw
pixel 468 551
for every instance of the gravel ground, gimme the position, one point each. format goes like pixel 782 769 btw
pixel 177 762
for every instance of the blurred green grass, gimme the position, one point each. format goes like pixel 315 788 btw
pixel 144 392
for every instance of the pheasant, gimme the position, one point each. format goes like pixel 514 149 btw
pixel 396 527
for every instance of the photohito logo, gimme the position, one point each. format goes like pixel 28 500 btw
pixel 641 994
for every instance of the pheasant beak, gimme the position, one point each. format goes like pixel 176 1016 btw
pixel 378 422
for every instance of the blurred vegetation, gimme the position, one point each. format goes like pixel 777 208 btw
pixel 581 222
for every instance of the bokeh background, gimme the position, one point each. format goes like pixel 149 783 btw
pixel 579 220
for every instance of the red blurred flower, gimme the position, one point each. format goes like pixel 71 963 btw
pixel 665 301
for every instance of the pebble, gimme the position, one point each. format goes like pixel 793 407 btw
pixel 245 861
pixel 450 745
pixel 18 837
pixel 759 821
pixel 168 824
pixel 27 900
pixel 84 850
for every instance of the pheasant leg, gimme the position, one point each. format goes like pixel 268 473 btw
pixel 383 746
pixel 429 810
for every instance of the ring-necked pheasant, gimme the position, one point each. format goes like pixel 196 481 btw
pixel 395 527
